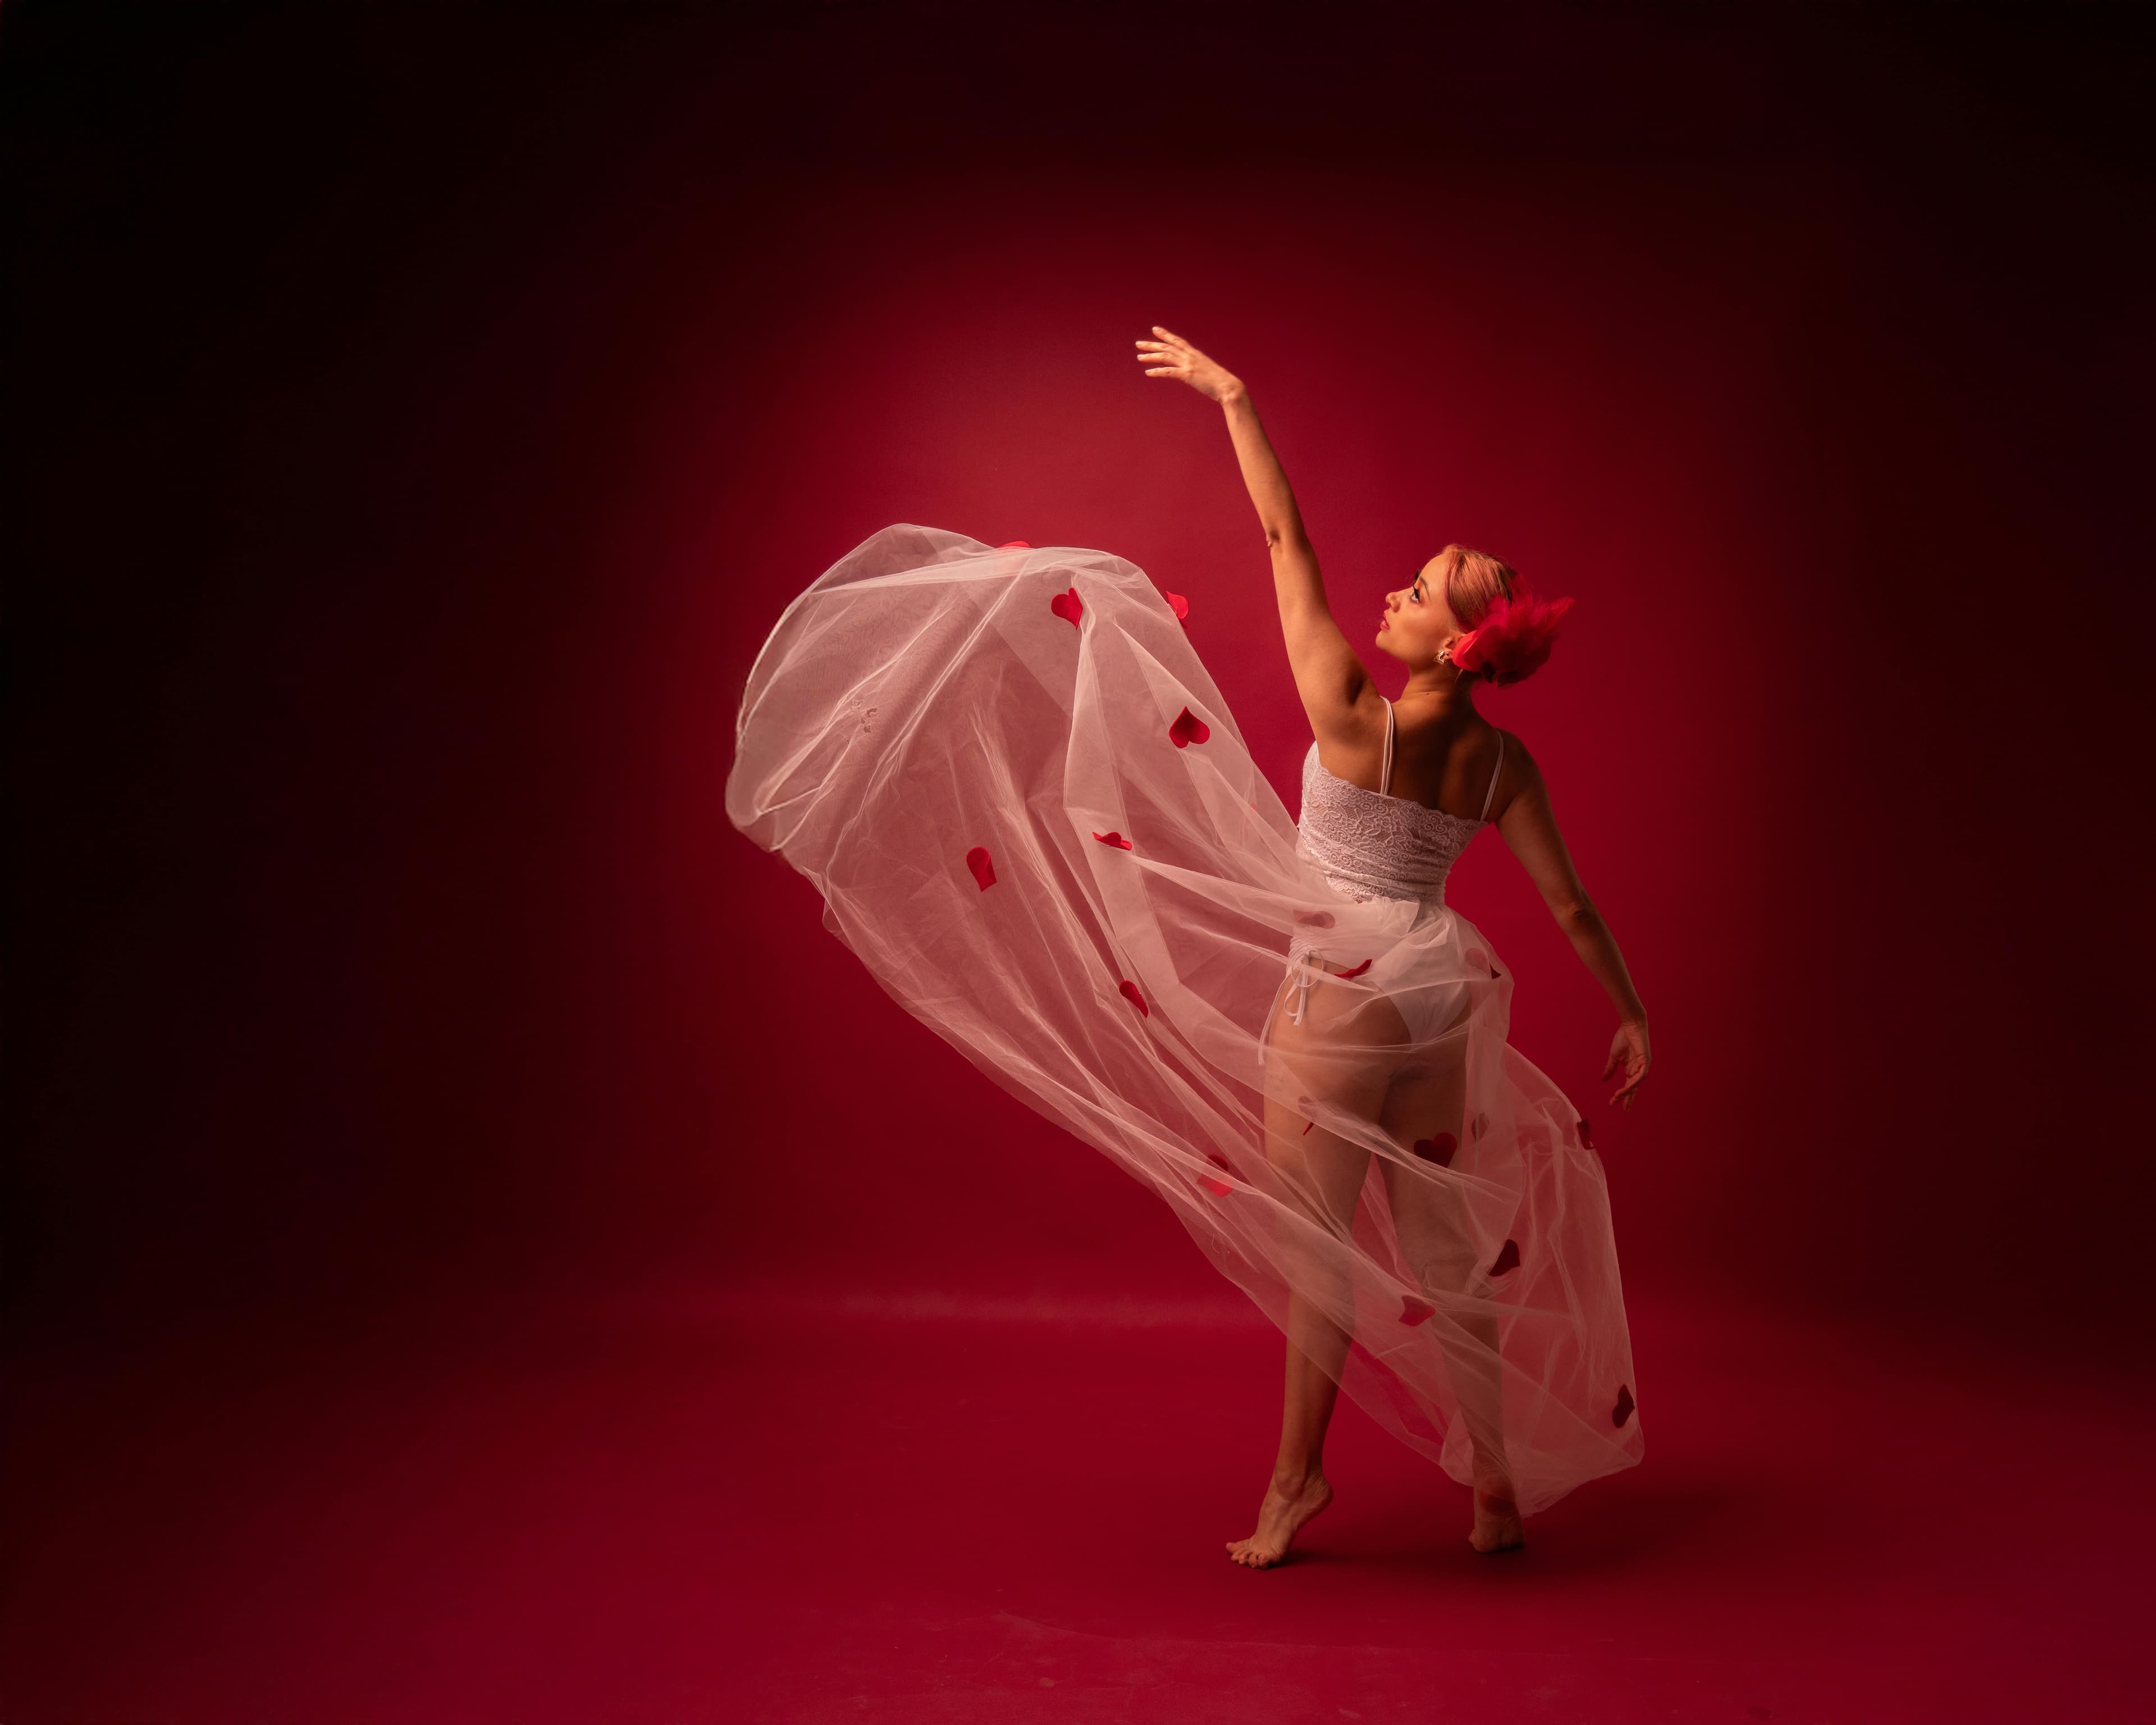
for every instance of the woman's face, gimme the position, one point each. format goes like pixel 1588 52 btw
pixel 1417 621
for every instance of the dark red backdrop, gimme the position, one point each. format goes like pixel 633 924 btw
pixel 425 414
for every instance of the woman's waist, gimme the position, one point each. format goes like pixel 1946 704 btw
pixel 1360 885
pixel 1313 936
pixel 1419 877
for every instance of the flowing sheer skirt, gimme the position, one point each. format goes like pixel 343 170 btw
pixel 1031 816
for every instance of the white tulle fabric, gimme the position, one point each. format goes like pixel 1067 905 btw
pixel 1033 818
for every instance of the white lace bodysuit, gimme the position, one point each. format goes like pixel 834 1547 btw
pixel 1372 844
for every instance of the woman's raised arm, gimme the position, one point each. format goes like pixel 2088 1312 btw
pixel 1329 675
pixel 1528 826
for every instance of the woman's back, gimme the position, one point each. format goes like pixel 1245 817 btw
pixel 1389 843
pixel 1449 763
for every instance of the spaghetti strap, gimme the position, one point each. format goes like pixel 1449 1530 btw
pixel 1494 772
pixel 1385 777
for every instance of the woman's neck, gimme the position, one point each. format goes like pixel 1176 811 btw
pixel 1438 694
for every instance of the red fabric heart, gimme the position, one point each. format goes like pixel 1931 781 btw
pixel 1067 605
pixel 1129 990
pixel 1586 1136
pixel 1623 1411
pixel 1181 606
pixel 1218 1188
pixel 1189 728
pixel 1481 1124
pixel 1477 960
pixel 1015 545
pixel 1307 1126
pixel 1314 919
pixel 984 871
pixel 1414 1311
pixel 1508 1259
pixel 1438 1149
pixel 1114 839
pixel 1344 974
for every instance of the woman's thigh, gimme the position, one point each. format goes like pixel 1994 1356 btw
pixel 1423 1114
pixel 1342 1055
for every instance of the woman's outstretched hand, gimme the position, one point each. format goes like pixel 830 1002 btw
pixel 1628 1052
pixel 1172 357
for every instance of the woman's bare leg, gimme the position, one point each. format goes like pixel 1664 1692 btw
pixel 1431 1222
pixel 1325 1171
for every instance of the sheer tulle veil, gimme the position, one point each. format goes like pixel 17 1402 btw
pixel 1033 818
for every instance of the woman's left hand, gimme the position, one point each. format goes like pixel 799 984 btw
pixel 1627 1051
pixel 1172 357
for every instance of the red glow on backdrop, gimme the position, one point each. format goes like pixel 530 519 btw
pixel 427 419
pixel 1698 468
pixel 510 536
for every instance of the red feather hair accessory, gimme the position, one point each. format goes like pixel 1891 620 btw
pixel 1513 638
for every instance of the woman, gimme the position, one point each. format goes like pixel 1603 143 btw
pixel 1428 750
pixel 1032 816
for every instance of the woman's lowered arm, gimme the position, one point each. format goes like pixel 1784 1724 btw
pixel 1529 827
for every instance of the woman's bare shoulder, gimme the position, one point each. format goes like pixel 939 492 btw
pixel 1517 772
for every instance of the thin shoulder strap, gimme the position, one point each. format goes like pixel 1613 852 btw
pixel 1385 778
pixel 1494 772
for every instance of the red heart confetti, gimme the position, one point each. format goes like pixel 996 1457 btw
pixel 1015 545
pixel 1344 974
pixel 1114 839
pixel 1508 1259
pixel 1586 1136
pixel 1129 990
pixel 1307 1126
pixel 984 871
pixel 1067 605
pixel 1189 728
pixel 1478 961
pixel 1218 1187
pixel 1481 1124
pixel 1623 1411
pixel 1438 1149
pixel 1495 973
pixel 1181 607
pixel 1414 1311
pixel 1313 919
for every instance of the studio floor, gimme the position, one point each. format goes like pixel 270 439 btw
pixel 682 1502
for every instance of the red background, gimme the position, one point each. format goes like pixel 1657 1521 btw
pixel 477 1250
pixel 430 422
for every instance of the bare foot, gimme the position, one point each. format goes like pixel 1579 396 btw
pixel 1288 1505
pixel 1496 1517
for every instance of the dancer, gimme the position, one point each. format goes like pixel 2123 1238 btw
pixel 1032 816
